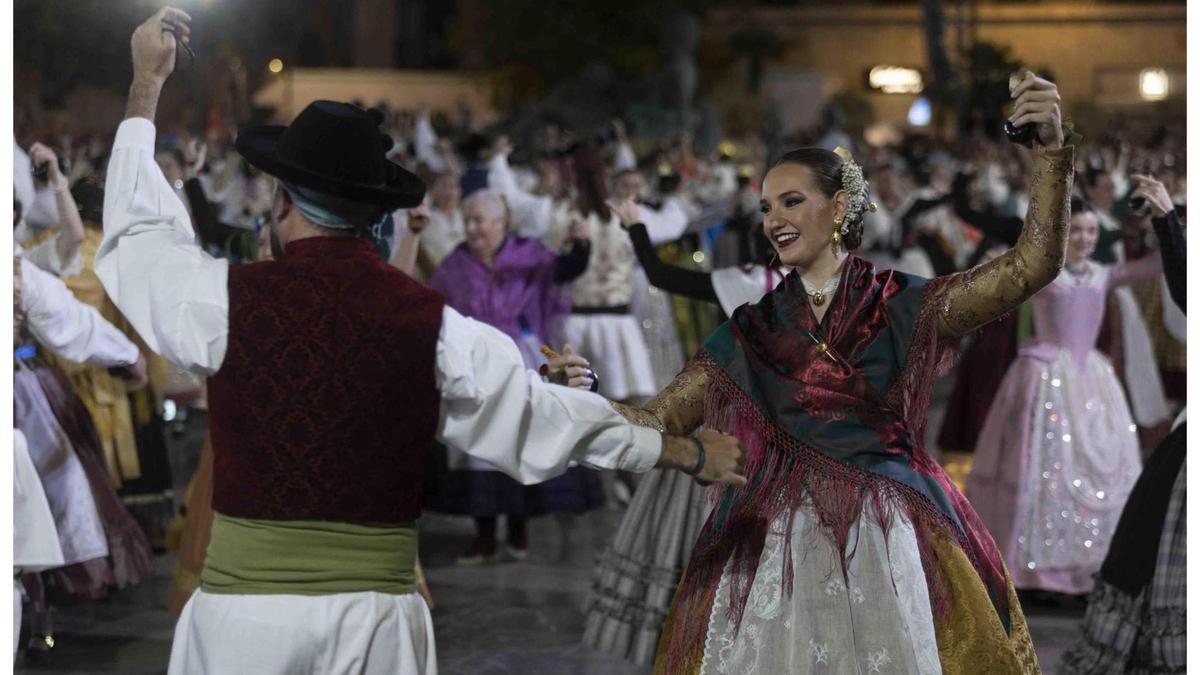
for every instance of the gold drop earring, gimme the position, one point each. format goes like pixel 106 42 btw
pixel 836 239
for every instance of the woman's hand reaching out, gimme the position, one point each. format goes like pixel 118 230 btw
pixel 627 210
pixel 1155 194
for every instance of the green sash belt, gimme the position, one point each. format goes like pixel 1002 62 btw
pixel 268 557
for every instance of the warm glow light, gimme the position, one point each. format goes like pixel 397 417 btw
pixel 1155 84
pixel 275 66
pixel 896 80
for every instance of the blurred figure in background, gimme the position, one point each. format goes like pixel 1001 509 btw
pixel 514 285
pixel 1058 454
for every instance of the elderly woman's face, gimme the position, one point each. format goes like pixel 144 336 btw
pixel 485 225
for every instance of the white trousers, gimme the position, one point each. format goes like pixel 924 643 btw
pixel 342 634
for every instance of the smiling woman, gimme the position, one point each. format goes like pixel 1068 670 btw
pixel 813 216
pixel 826 382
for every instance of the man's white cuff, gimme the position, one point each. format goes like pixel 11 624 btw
pixel 137 133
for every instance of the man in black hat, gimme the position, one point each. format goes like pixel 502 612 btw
pixel 330 373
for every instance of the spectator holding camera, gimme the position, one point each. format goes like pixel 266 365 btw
pixel 58 254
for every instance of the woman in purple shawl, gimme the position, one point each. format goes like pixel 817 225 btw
pixel 515 286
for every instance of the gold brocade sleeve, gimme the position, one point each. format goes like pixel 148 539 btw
pixel 990 290
pixel 677 410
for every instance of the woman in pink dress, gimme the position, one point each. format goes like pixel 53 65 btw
pixel 1058 454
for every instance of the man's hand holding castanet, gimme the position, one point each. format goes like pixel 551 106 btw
pixel 153 47
pixel 153 44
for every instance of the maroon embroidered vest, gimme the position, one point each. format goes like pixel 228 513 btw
pixel 326 402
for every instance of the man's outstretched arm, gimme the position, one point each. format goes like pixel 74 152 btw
pixel 495 409
pixel 172 292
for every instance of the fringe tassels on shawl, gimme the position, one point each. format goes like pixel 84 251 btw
pixel 929 357
pixel 785 477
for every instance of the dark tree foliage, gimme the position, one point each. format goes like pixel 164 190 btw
pixel 549 42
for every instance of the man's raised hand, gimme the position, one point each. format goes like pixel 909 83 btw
pixel 153 44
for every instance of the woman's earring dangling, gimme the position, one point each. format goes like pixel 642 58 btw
pixel 837 234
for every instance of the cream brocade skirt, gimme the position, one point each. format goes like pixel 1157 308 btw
pixel 876 619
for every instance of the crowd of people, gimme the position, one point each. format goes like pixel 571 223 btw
pixel 306 282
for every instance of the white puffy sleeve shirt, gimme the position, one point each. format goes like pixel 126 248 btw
pixel 492 407
pixel 68 327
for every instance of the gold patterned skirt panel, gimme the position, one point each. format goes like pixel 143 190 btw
pixel 970 637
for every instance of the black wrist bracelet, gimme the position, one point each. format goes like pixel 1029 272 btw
pixel 700 462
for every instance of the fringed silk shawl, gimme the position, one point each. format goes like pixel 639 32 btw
pixel 831 415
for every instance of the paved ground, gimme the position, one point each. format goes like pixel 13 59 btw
pixel 515 617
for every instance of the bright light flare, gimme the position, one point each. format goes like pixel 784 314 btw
pixel 896 80
pixel 1155 84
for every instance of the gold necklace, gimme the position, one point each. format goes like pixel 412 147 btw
pixel 819 296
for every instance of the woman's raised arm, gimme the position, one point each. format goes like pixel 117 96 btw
pixel 991 290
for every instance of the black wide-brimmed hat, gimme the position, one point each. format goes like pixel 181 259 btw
pixel 334 148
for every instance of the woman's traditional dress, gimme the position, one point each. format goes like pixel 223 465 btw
pixel 601 324
pixel 194 534
pixel 850 550
pixel 99 546
pixel 1137 616
pixel 979 374
pixel 1059 454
